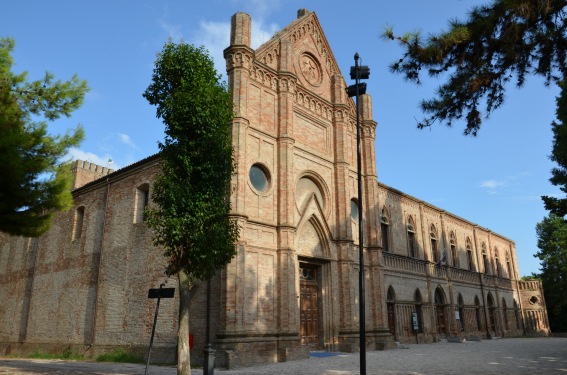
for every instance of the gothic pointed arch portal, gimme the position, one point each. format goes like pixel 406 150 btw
pixel 315 275
pixel 491 313
pixel 440 313
pixel 391 308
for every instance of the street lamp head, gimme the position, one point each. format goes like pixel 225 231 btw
pixel 352 89
pixel 363 72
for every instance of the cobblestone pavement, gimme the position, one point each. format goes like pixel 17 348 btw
pixel 522 356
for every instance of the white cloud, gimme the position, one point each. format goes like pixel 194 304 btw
pixel 260 8
pixel 496 186
pixel 77 154
pixel 215 36
pixel 492 184
pixel 173 31
pixel 125 138
pixel 261 33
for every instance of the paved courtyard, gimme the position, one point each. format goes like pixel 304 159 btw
pixel 508 356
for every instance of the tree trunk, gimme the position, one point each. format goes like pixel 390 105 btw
pixel 183 355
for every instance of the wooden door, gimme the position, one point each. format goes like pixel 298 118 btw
pixel 392 319
pixel 440 313
pixel 491 319
pixel 309 310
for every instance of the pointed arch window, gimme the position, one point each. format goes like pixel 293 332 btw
pixel 485 259
pixel 453 246
pixel 385 229
pixel 141 202
pixel 354 212
pixel 78 222
pixel 508 267
pixel 468 246
pixel 497 261
pixel 434 244
pixel 412 245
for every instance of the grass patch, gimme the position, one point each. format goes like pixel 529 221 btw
pixel 68 354
pixel 121 356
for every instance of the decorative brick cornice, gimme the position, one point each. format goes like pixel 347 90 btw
pixel 238 57
pixel 265 76
pixel 314 104
pixel 410 202
pixel 287 84
pixel 368 130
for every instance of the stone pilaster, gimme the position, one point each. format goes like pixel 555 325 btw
pixel 288 313
pixel 239 57
pixel 340 126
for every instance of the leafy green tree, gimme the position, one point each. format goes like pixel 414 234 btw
pixel 480 55
pixel 35 183
pixel 552 242
pixel 191 219
pixel 558 206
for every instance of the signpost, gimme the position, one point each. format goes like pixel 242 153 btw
pixel 159 294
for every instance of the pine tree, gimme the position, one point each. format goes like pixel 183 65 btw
pixel 481 55
pixel 35 183
pixel 552 242
pixel 558 206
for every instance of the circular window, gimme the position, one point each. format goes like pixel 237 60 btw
pixel 354 210
pixel 533 299
pixel 259 178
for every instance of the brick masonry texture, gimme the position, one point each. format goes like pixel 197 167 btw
pixel 293 286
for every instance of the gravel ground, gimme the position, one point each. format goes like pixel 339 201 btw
pixel 507 356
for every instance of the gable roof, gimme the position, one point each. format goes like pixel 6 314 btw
pixel 313 61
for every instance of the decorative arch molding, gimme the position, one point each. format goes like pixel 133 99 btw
pixel 391 294
pixel 490 300
pixel 440 297
pixel 324 190
pixel 313 239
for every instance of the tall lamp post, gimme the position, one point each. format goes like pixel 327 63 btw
pixel 358 72
pixel 209 352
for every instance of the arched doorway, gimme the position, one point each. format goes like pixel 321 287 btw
pixel 491 311
pixel 461 312
pixel 517 315
pixel 391 308
pixel 418 311
pixel 440 315
pixel 477 313
pixel 314 273
pixel 505 314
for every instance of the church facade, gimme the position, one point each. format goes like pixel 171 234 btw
pixel 293 285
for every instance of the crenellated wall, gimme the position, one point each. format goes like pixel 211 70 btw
pixel 85 172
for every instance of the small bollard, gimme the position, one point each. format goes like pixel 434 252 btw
pixel 209 365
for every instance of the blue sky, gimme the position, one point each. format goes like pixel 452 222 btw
pixel 494 180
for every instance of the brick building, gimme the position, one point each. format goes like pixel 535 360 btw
pixel 293 286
